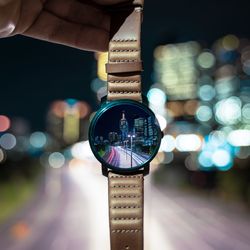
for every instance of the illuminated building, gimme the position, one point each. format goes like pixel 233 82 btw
pixel 113 137
pixel 124 127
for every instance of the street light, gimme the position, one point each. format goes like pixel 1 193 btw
pixel 131 136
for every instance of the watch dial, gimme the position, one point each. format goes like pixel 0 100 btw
pixel 125 136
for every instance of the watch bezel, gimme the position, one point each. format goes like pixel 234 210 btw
pixel 105 107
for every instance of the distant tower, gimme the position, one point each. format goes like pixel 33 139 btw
pixel 124 127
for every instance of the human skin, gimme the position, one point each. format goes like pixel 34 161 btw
pixel 82 24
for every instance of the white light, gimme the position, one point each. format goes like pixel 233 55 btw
pixel 156 97
pixel 228 111
pixel 82 151
pixel 167 144
pixel 204 113
pixel 56 160
pixel 38 139
pixel 1 155
pixel 240 137
pixel 8 141
pixel 162 121
pixel 188 142
pixel 221 158
pixel 246 111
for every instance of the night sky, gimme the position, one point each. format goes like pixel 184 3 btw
pixel 34 73
pixel 110 121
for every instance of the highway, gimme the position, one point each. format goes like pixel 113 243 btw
pixel 121 157
pixel 70 212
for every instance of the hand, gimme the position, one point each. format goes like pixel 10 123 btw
pixel 76 23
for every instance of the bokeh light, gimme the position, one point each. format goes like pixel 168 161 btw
pixel 206 60
pixel 205 159
pixel 4 123
pixel 240 137
pixel 204 113
pixel 206 92
pixel 38 139
pixel 156 97
pixel 56 160
pixel 246 112
pixel 2 156
pixel 8 141
pixel 167 143
pixel 188 142
pixel 222 159
pixel 162 121
pixel 228 111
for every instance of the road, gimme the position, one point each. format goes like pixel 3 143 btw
pixel 71 213
pixel 121 157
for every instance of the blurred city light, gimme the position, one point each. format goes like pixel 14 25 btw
pixel 206 92
pixel 222 159
pixel 230 42
pixel 205 158
pixel 162 121
pixel 38 139
pixel 156 97
pixel 246 112
pixel 204 113
pixel 188 142
pixel 206 60
pixel 82 151
pixel 8 141
pixel 56 160
pixel 167 143
pixel 102 59
pixel 228 111
pixel 2 156
pixel 4 123
pixel 239 137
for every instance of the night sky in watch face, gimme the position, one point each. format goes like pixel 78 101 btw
pixel 125 136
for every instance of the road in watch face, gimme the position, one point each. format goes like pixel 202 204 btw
pixel 125 136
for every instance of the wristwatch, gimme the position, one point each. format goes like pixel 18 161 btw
pixel 124 134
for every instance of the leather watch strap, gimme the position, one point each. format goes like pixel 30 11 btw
pixel 126 211
pixel 124 63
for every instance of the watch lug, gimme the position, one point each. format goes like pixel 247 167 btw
pixel 104 171
pixel 104 99
pixel 146 170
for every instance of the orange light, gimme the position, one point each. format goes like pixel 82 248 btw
pixel 58 108
pixel 20 230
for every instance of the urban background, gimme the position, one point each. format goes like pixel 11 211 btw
pixel 196 79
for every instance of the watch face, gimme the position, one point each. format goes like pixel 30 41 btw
pixel 124 135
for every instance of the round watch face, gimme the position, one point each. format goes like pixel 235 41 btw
pixel 124 135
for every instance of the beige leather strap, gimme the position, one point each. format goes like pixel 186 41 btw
pixel 124 63
pixel 126 211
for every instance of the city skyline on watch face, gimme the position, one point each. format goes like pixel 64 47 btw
pixel 126 136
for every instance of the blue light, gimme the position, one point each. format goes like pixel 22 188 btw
pixel 205 159
pixel 71 101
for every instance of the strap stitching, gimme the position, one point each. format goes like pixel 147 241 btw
pixel 125 176
pixel 137 218
pixel 125 50
pixel 126 196
pixel 124 81
pixel 126 186
pixel 124 60
pixel 126 231
pixel 125 207
pixel 124 92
